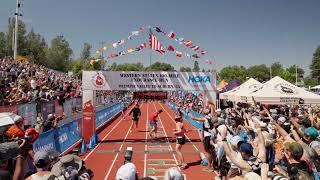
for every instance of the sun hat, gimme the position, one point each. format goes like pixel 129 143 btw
pixel 65 162
pixel 126 172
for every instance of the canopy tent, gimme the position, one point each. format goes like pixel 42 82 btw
pixel 315 87
pixel 280 91
pixel 240 93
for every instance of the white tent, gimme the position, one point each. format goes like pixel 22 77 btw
pixel 240 93
pixel 279 91
pixel 316 87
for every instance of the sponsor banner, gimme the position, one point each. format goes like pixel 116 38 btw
pixel 58 109
pixel 45 142
pixel 107 113
pixel 150 95
pixel 28 112
pixel 47 108
pixel 67 108
pixel 67 135
pixel 13 109
pixel 291 100
pixel 141 81
pixel 88 120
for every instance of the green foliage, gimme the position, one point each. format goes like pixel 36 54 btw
pixel 36 48
pixel 2 45
pixel 276 69
pixel 288 76
pixel 292 70
pixel 76 66
pixel 129 67
pixel 233 73
pixel 310 81
pixel 259 72
pixel 157 66
pixel 196 67
pixel 185 69
pixel 315 65
pixel 58 54
pixel 22 42
pixel 85 54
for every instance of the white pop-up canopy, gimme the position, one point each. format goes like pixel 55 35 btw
pixel 240 93
pixel 280 91
pixel 316 87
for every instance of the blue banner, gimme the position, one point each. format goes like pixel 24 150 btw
pixel 28 112
pixel 67 135
pixel 105 114
pixel 45 142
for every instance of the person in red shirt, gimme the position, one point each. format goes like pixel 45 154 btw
pixel 153 123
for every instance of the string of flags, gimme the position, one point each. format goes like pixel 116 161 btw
pixel 128 51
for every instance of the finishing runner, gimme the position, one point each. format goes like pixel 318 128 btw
pixel 153 124
pixel 179 132
pixel 136 113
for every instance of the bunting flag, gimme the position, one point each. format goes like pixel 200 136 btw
pixel 111 55
pixel 208 61
pixel 130 50
pixel 188 55
pixel 203 52
pixel 93 61
pixel 195 56
pixel 170 48
pixel 114 45
pixel 155 44
pixel 187 43
pixel 178 54
pixel 143 45
pixel 159 30
pixel 120 42
pixel 195 48
pixel 171 35
pixel 121 53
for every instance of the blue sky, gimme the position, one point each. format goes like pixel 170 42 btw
pixel 245 32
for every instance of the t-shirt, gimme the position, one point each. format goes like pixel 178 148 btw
pixel 154 116
pixel 135 112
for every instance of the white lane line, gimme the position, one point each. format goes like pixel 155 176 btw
pixel 116 157
pixel 165 133
pixel 104 138
pixel 146 146
pixel 174 121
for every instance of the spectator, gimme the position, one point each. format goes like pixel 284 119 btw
pixel 127 171
pixel 42 163
pixel 16 130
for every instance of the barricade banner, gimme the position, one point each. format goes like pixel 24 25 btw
pixel 104 115
pixel 45 142
pixel 58 109
pixel 67 135
pixel 13 109
pixel 28 112
pixel 88 120
pixel 47 108
pixel 67 108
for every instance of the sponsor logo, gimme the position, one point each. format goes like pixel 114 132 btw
pixel 98 80
pixel 199 79
pixel 254 87
pixel 285 89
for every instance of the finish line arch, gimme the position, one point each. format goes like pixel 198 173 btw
pixel 138 81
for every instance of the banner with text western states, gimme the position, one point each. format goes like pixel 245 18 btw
pixel 139 81
pixel 28 112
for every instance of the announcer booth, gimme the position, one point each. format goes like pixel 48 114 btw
pixel 135 81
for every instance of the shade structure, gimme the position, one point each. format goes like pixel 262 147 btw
pixel 280 91
pixel 316 87
pixel 241 93
pixel 8 118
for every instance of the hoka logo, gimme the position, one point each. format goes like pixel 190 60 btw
pixel 199 79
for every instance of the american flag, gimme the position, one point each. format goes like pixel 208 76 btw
pixel 155 44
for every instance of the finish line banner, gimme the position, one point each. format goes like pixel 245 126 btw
pixel 151 81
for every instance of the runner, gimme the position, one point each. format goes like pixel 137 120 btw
pixel 153 124
pixel 179 132
pixel 136 113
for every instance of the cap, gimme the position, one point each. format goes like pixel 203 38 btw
pixel 127 172
pixel 41 155
pixel 294 148
pixel 312 132
pixel 246 148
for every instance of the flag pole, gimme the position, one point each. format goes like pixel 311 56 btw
pixel 150 56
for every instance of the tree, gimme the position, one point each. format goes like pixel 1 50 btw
pixel 85 54
pixel 196 67
pixel 3 48
pixel 259 72
pixel 292 70
pixel 233 73
pixel 36 48
pixel 288 76
pixel 157 66
pixel 185 69
pixel 76 66
pixel 315 65
pixel 276 69
pixel 310 82
pixel 22 45
pixel 59 53
pixel 129 67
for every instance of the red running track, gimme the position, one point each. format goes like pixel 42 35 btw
pixel 151 157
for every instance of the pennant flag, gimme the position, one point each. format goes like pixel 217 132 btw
pixel 188 55
pixel 121 53
pixel 187 43
pixel 195 48
pixel 135 33
pixel 155 44
pixel 159 30
pixel 171 35
pixel 203 52
pixel 208 61
pixel 130 50
pixel 178 53
pixel 180 39
pixel 143 45
pixel 137 49
pixel 97 51
pixel 170 48
pixel 114 45
pixel 105 48
pixel 195 56
pixel 112 55
pixel 120 42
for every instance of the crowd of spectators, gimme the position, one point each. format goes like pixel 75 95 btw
pixel 23 82
pixel 256 141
